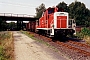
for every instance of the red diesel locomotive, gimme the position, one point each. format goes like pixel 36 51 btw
pixel 55 22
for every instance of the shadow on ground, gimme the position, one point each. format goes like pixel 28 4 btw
pixel 66 39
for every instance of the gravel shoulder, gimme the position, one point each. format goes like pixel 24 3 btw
pixel 29 49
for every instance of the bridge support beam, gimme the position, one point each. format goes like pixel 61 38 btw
pixel 19 25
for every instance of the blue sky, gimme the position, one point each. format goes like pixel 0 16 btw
pixel 28 6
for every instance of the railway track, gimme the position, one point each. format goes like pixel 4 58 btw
pixel 82 51
pixel 75 48
pixel 79 45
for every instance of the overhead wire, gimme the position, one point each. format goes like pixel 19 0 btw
pixel 16 4
pixel 24 5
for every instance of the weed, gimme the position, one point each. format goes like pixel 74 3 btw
pixel 6 46
pixel 40 41
pixel 84 34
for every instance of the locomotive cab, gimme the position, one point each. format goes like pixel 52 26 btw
pixel 72 24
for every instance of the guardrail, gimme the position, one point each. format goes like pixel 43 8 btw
pixel 16 15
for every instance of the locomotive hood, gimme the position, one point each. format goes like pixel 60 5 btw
pixel 60 20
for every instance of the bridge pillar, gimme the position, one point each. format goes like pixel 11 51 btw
pixel 19 25
pixel 22 25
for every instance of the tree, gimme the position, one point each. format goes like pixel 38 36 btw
pixel 12 25
pixel 80 13
pixel 3 25
pixel 0 24
pixel 39 10
pixel 63 6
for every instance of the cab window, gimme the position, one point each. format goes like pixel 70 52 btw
pixel 51 11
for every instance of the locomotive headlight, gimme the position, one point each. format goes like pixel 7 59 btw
pixel 74 26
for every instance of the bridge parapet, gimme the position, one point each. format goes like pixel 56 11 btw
pixel 16 15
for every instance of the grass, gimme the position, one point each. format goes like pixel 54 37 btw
pixel 84 34
pixel 87 39
pixel 6 46
pixel 40 41
pixel 83 37
pixel 32 36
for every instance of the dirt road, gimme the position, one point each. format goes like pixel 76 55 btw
pixel 28 49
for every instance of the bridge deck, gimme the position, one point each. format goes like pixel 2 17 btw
pixel 15 17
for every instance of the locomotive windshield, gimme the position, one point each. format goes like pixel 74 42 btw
pixel 51 10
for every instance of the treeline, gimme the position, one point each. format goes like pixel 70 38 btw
pixel 3 25
pixel 77 10
pixel 7 26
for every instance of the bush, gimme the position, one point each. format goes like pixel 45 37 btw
pixel 79 35
pixel 84 34
pixel 85 31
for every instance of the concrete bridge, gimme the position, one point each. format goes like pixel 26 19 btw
pixel 17 17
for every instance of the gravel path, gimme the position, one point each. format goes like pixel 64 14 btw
pixel 28 49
